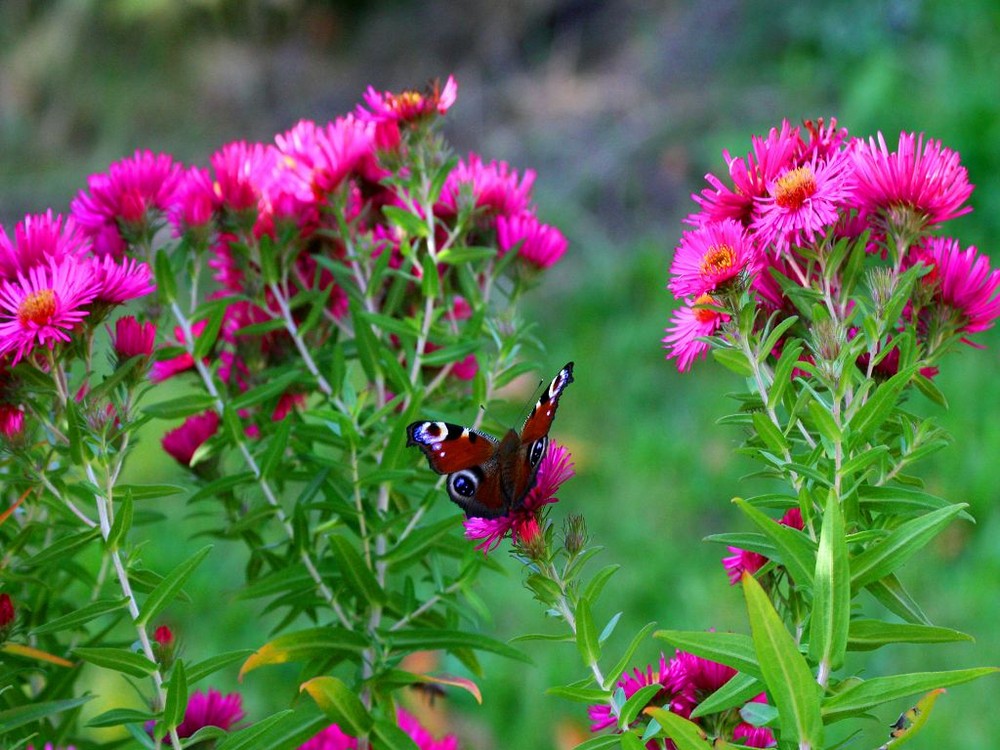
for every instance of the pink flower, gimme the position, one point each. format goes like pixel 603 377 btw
pixel 164 636
pixel 133 338
pixel 333 738
pixel 50 746
pixel 317 159
pixel 7 612
pixel 539 244
pixel 556 468
pixel 120 281
pixel 495 188
pixel 127 198
pixel 11 420
pixel 923 177
pixel 824 139
pixel 750 176
pixel 38 241
pixel 703 675
pixel 211 709
pixel 754 736
pixel 389 111
pixel 193 201
pixel 168 368
pixel 41 307
pixel 962 281
pixel 688 324
pixel 710 256
pixel 802 202
pixel 666 674
pixel 182 442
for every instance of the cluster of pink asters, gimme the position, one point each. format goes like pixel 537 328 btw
pixel 332 738
pixel 800 187
pixel 292 197
pixel 686 680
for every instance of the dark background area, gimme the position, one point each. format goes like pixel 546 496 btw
pixel 621 107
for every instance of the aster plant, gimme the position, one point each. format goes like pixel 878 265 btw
pixel 277 315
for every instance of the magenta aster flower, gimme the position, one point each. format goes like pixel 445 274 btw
pixel 923 177
pixel 183 441
pixel 389 111
pixel 41 307
pixel 495 188
pixel 703 675
pixel 39 240
pixel 750 176
pixel 539 244
pixel 132 338
pixel 556 468
pixel 688 324
pixel 7 611
pixel 241 169
pixel 962 281
pixel 11 420
pixel 127 198
pixel 120 281
pixel 710 256
pixel 193 201
pixel 754 736
pixel 168 368
pixel 666 674
pixel 50 746
pixel 803 201
pixel 318 160
pixel 825 139
pixel 333 738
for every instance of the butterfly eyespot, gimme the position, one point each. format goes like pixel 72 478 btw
pixel 463 484
pixel 537 451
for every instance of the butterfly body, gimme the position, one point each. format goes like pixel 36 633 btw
pixel 488 477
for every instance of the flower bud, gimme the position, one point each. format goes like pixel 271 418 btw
pixel 575 534
pixel 7 614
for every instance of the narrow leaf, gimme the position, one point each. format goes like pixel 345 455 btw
pixel 31 712
pixel 177 697
pixel 282 731
pixel 871 415
pixel 866 635
pixel 612 676
pixel 303 645
pixel 909 724
pixel 167 590
pixel 81 616
pixel 213 664
pixel 831 591
pixel 685 733
pixel 122 523
pixel 430 639
pixel 732 649
pixel 341 704
pixel 358 575
pixel 790 684
pixel 120 660
pixel 794 550
pixel 586 634
pixel 738 690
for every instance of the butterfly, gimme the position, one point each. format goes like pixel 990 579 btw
pixel 487 477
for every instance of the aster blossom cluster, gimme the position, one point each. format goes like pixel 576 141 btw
pixel 800 196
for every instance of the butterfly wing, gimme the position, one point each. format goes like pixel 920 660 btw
pixel 469 458
pixel 519 468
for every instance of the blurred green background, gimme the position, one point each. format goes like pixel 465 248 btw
pixel 621 107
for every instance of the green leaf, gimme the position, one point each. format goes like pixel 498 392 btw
pixel 122 523
pixel 899 500
pixel 166 283
pixel 81 616
pixel 31 712
pixel 177 697
pixel 282 731
pixel 616 671
pixel 65 547
pixel 430 639
pixel 873 413
pixel 733 360
pixel 366 344
pixel 430 282
pixel 410 223
pixel 586 634
pixel 783 372
pixel 579 694
pixel 118 716
pixel 419 541
pixel 270 389
pixel 861 697
pixel 596 585
pixel 794 550
pixel 176 408
pixel 340 704
pixel 451 353
pixel 883 557
pixel 277 444
pixel 685 733
pixel 213 664
pixel 147 491
pixel 170 586
pixel 357 575
pixel 636 702
pixel 769 433
pixel 601 742
pixel 831 613
pixel 790 683
pixel 120 660
pixel 825 422
pixel 456 256
pixel 776 333
pixel 303 645
pixel 889 592
pixel 732 649
pixel 213 322
pixel 910 722
pixel 866 635
pixel 631 741
pixel 740 688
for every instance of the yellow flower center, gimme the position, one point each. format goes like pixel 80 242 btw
pixel 795 188
pixel 37 308
pixel 407 103
pixel 718 260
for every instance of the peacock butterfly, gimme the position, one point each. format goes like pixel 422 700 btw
pixel 487 477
